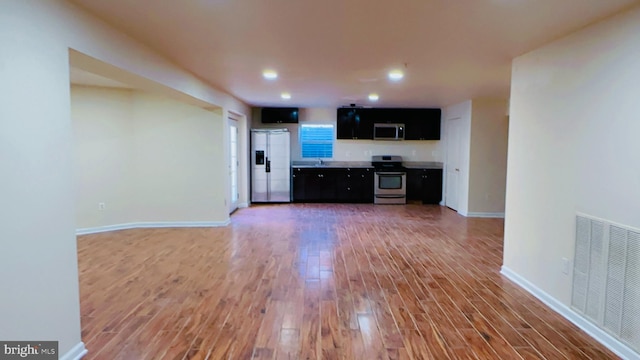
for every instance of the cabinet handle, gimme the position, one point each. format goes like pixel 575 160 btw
pixel 348 175
pixel 348 188
pixel 320 175
pixel 362 175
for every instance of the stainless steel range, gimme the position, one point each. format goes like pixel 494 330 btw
pixel 390 184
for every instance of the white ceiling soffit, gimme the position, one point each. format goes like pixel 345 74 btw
pixel 81 77
pixel 336 52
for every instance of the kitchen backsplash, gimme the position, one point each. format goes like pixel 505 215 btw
pixel 362 150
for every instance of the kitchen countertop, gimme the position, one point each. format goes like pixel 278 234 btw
pixel 364 164
pixel 332 164
pixel 422 164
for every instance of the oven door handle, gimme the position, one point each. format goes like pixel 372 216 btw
pixel 391 173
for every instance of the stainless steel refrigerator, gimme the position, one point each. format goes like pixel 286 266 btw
pixel 270 165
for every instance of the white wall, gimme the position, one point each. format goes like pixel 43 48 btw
pixel 355 150
pixel 573 146
pixel 103 153
pixel 39 281
pixel 147 158
pixel 488 156
pixel 37 211
pixel 179 162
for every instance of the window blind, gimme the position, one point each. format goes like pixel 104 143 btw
pixel 316 141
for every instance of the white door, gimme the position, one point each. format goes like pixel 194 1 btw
pixel 233 165
pixel 454 139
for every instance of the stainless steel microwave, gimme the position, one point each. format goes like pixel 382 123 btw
pixel 388 131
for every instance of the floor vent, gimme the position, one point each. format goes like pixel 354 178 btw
pixel 606 277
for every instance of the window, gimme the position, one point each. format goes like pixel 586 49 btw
pixel 316 141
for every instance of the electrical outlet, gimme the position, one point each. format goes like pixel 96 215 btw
pixel 566 266
pixel 101 206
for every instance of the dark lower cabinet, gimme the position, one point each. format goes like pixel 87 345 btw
pixel 414 184
pixel 309 186
pixel 355 186
pixel 424 185
pixel 332 185
pixel 298 185
pixel 312 185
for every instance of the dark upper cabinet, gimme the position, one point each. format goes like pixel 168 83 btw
pixel 422 124
pixel 357 123
pixel 354 123
pixel 271 115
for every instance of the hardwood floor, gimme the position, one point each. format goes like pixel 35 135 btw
pixel 302 281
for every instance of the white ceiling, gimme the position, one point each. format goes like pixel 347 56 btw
pixel 335 52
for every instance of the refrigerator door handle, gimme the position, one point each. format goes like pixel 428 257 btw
pixel 268 167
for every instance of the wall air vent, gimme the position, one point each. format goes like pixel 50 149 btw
pixel 606 277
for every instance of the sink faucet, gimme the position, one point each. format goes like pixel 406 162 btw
pixel 320 161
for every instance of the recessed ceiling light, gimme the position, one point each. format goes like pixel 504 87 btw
pixel 396 75
pixel 373 97
pixel 270 74
pixel 285 95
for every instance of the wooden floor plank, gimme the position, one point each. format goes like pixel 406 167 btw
pixel 316 281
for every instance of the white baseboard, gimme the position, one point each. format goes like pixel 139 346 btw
pixel 243 205
pixel 595 332
pixel 139 225
pixel 485 214
pixel 76 353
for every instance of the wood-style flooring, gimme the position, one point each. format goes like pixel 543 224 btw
pixel 324 281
